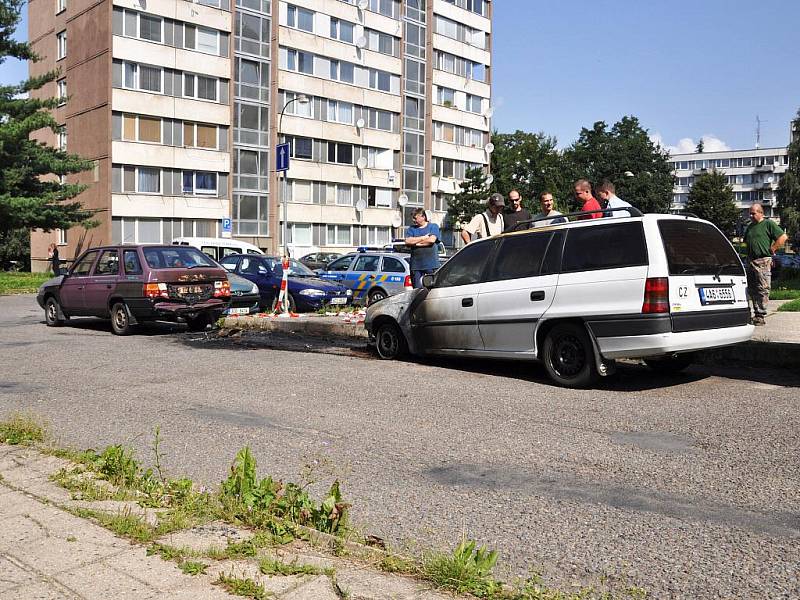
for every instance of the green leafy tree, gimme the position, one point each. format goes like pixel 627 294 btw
pixel 28 198
pixel 626 156
pixel 531 164
pixel 711 198
pixel 789 187
pixel 471 200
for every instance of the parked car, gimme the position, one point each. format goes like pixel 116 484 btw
pixel 372 276
pixel 784 261
pixel 307 292
pixel 398 245
pixel 577 296
pixel 245 297
pixel 218 248
pixel 319 260
pixel 131 284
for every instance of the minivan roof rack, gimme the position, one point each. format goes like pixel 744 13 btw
pixel 631 210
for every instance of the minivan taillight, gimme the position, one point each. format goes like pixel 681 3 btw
pixel 155 290
pixel 656 295
pixel 407 282
pixel 222 288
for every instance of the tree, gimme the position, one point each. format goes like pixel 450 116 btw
pixel 789 187
pixel 28 198
pixel 471 200
pixel 626 156
pixel 711 198
pixel 531 164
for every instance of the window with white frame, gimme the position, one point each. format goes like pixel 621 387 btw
pixel 200 135
pixel 299 18
pixel 380 119
pixel 339 235
pixel 445 96
pixel 340 112
pixel 382 42
pixel 302 62
pixel 344 194
pixel 62 139
pixel 142 77
pixel 342 71
pixel 61 87
pixel 300 233
pixel 250 214
pixel 139 128
pixel 207 41
pixel 379 158
pixel 61 45
pixel 474 103
pixel 301 191
pixel 377 236
pixel 61 5
pixel 340 153
pixel 141 180
pixel 297 108
pixel 389 8
pixel 380 80
pixel 379 197
pixel 200 87
pixel 342 30
pixel 62 237
pixel 199 183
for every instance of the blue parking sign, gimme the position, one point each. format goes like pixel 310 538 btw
pixel 227 226
pixel 282 157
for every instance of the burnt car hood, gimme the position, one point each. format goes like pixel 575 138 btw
pixel 399 307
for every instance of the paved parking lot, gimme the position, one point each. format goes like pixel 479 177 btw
pixel 687 486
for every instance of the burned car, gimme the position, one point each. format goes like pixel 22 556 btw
pixel 130 284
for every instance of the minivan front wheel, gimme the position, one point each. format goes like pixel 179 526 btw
pixel 389 341
pixel 568 356
pixel 120 319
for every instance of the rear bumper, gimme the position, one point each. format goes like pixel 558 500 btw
pixel 144 309
pixel 640 346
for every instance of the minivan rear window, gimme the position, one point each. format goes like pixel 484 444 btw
pixel 609 246
pixel 176 257
pixel 695 248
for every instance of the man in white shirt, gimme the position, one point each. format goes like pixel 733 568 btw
pixel 487 223
pixel 606 193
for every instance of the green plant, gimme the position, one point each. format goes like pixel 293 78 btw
pixel 466 569
pixel 124 524
pixel 242 587
pixel 793 306
pixel 22 428
pixel 193 567
pixel 397 564
pixel 273 566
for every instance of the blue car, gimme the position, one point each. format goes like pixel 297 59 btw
pixel 307 292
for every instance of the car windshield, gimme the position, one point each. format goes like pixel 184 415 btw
pixel 176 257
pixel 296 269
pixel 695 248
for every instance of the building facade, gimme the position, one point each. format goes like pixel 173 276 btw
pixel 384 105
pixel 753 174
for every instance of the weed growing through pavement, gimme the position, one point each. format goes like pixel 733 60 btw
pixel 193 567
pixel 242 587
pixel 466 569
pixel 23 428
pixel 274 566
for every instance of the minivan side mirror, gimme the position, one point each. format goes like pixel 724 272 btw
pixel 428 281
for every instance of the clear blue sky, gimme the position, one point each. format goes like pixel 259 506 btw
pixel 686 69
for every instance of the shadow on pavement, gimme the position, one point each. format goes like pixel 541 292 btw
pixel 104 326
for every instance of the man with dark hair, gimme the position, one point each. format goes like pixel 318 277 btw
pixel 546 202
pixel 607 193
pixel 583 194
pixel 422 238
pixel 516 212
pixel 487 223
pixel 762 237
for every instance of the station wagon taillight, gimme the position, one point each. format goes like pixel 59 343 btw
pixel 222 288
pixel 407 282
pixel 155 290
pixel 656 295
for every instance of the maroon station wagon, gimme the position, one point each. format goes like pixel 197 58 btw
pixel 131 284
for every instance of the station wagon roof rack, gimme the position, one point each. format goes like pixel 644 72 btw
pixel 631 210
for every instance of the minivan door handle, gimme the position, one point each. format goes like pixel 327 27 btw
pixel 537 296
pixel 465 302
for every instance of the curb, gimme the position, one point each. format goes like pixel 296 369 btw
pixel 315 326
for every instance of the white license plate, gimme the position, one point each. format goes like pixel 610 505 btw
pixel 338 300
pixel 239 311
pixel 716 295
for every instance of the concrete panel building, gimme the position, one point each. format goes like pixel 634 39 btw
pixel 385 104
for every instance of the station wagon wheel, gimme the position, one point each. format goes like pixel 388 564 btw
pixel 568 356
pixel 120 321
pixel 376 295
pixel 668 365
pixel 51 311
pixel 389 341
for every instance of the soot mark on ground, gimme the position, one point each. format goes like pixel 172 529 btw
pixel 13 387
pixel 657 441
pixel 785 524
pixel 248 419
pixel 270 340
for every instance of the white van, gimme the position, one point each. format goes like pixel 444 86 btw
pixel 217 248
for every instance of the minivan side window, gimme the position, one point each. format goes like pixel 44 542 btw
pixel 210 251
pixel 229 251
pixel 130 258
pixel 84 264
pixel 466 267
pixel 520 256
pixel 605 247
pixel 108 263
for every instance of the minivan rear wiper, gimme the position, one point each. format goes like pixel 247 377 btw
pixel 688 270
pixel 723 267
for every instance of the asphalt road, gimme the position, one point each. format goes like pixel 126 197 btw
pixel 685 485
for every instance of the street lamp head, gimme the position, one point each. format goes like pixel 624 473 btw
pixel 628 174
pixel 302 99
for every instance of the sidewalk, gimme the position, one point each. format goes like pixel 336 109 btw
pixel 46 552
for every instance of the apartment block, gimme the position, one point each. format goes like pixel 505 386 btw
pixel 753 174
pixel 384 105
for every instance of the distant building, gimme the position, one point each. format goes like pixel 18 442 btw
pixel 753 174
pixel 179 103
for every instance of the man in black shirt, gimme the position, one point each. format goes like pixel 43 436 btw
pixel 516 212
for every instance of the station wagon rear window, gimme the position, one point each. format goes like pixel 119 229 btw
pixel 611 246
pixel 695 248
pixel 176 257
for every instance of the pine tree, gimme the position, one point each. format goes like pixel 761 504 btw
pixel 712 198
pixel 28 198
pixel 471 200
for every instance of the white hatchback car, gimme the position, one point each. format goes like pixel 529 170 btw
pixel 577 296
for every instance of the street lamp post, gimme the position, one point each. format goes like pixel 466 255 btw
pixel 302 99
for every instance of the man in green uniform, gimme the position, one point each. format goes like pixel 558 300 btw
pixel 762 237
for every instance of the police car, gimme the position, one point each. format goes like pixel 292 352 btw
pixel 372 275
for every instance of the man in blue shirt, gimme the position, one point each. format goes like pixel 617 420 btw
pixel 422 238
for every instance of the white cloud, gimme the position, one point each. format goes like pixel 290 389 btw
pixel 711 143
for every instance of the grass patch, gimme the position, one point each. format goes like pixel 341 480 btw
pixel 193 567
pixel 467 569
pixel 21 283
pixel 124 524
pixel 273 566
pixel 242 587
pixel 397 564
pixel 22 428
pixel 793 306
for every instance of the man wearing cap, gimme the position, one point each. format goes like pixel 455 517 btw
pixel 487 223
pixel 422 238
pixel 516 212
